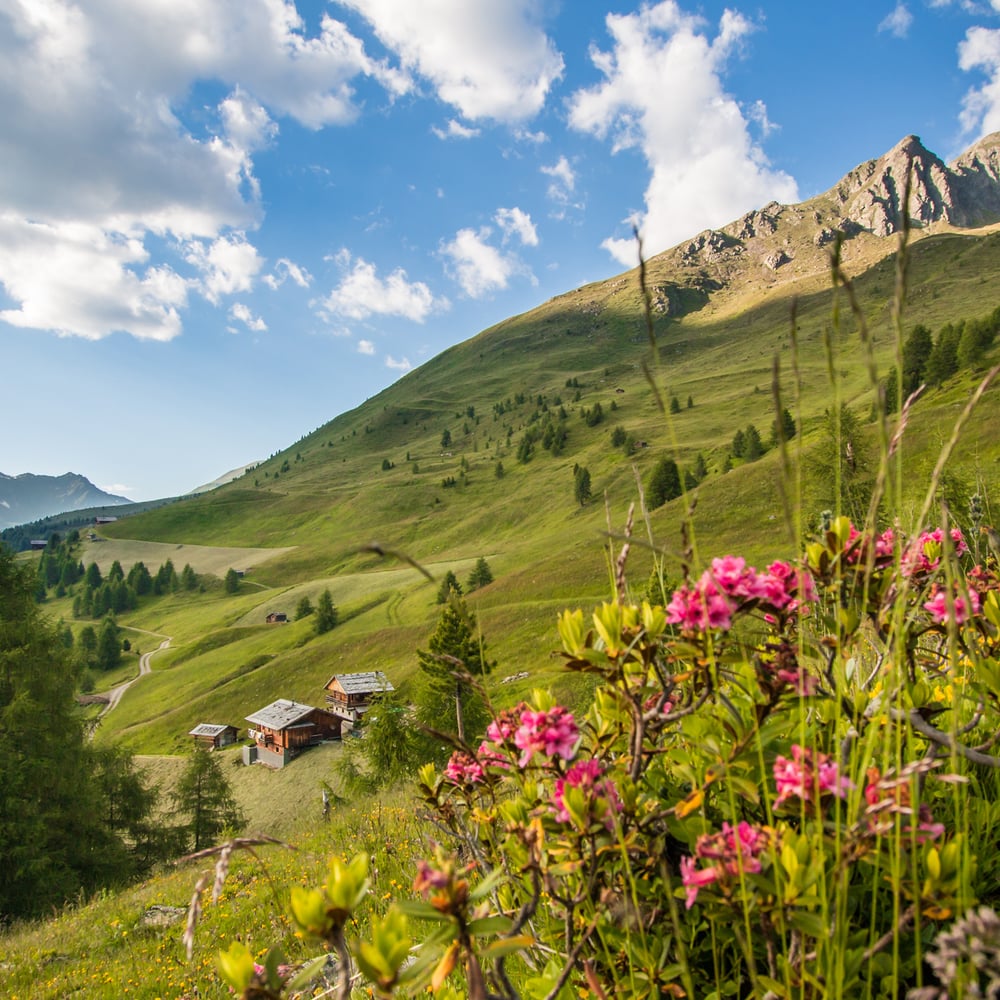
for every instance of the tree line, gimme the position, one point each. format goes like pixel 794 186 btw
pixel 75 817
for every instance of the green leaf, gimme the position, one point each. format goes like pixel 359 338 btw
pixel 422 910
pixel 307 973
pixel 489 925
pixel 812 924
pixel 507 946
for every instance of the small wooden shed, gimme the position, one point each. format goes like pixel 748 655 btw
pixel 213 735
pixel 285 728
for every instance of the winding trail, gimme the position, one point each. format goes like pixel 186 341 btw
pixel 115 694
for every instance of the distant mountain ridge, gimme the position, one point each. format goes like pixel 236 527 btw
pixel 30 497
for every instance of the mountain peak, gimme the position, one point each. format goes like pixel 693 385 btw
pixel 29 497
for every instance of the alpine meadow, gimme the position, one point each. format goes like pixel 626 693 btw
pixel 677 600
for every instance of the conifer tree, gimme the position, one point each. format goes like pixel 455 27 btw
pixel 109 647
pixel 55 841
pixel 447 703
pixel 204 794
pixel 449 583
pixel 326 614
pixel 664 483
pixel 916 353
pixel 480 576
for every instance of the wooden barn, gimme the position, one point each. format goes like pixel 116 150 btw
pixel 213 736
pixel 285 728
pixel 349 696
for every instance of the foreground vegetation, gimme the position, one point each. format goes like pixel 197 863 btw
pixel 773 783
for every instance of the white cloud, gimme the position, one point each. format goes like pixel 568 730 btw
pixel 362 293
pixel 284 270
pixel 247 125
pixel 898 22
pixel 705 170
pixel 479 267
pixel 514 222
pixel 981 105
pixel 242 312
pixel 117 489
pixel 366 347
pixel 228 264
pixel 77 279
pixel 525 135
pixel 402 365
pixel 455 130
pixel 98 168
pixel 487 59
pixel 563 180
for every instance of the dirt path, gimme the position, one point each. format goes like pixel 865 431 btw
pixel 115 694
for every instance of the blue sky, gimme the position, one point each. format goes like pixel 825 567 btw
pixel 223 222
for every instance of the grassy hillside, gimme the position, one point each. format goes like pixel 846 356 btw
pixel 303 519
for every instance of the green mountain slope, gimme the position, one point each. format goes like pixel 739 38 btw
pixel 415 468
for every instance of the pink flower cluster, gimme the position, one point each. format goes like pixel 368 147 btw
pixel 464 769
pixel 600 793
pixel 808 776
pixel 730 852
pixel 965 605
pixel 552 734
pixel 729 584
pixel 924 553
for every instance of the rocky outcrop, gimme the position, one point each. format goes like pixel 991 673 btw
pixel 965 194
pixel 977 183
pixel 909 182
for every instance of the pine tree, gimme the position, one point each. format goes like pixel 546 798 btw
pixel 232 582
pixel 753 447
pixel 581 485
pixel 783 429
pixel 916 353
pixel 943 362
pixel 326 613
pixel 449 583
pixel 109 646
pixel 480 576
pixel 55 843
pixel 454 648
pixel 204 794
pixel 664 483
pixel 304 608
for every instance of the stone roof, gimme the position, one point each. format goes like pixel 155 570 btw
pixel 368 682
pixel 209 729
pixel 280 714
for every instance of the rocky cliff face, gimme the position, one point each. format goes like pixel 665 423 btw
pixel 870 200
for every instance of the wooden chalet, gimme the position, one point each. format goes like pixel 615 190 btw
pixel 276 618
pixel 214 736
pixel 285 728
pixel 349 696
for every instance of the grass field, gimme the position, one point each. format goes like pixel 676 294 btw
pixel 212 559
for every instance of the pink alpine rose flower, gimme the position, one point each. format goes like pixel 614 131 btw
pixel 601 794
pixel 553 734
pixel 965 606
pixel 808 776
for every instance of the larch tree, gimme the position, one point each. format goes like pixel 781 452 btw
pixel 454 650
pixel 205 796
